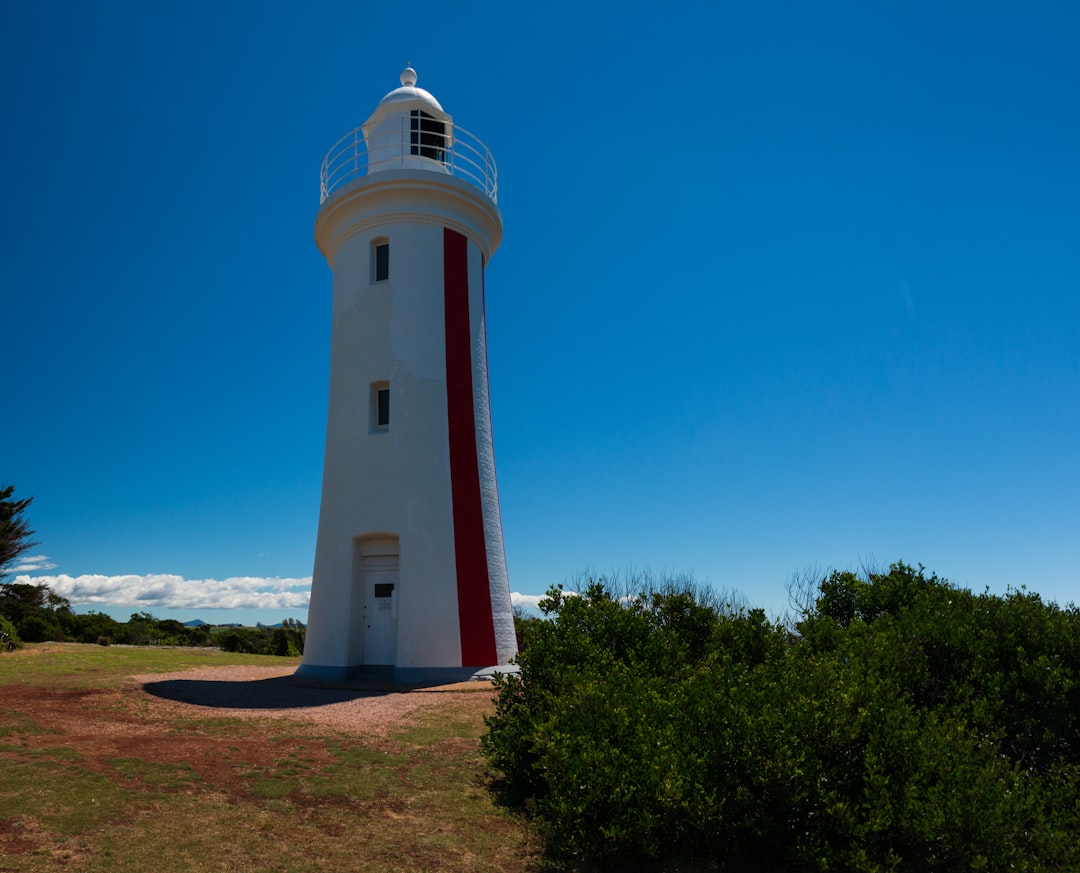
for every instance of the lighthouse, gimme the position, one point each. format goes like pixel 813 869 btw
pixel 410 570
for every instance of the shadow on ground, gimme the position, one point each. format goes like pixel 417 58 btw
pixel 279 692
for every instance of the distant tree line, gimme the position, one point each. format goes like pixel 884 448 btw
pixel 285 640
pixel 34 614
pixel 898 723
pixel 38 615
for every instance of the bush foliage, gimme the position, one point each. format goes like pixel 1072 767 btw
pixel 900 724
pixel 9 637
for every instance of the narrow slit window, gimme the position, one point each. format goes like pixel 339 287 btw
pixel 380 407
pixel 382 260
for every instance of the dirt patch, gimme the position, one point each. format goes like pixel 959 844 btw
pixel 17 835
pixel 162 719
pixel 250 768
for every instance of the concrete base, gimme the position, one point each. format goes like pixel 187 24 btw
pixel 402 676
pixel 433 675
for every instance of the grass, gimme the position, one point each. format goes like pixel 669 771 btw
pixel 96 777
pixel 75 665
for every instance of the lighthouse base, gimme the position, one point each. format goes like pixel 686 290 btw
pixel 414 676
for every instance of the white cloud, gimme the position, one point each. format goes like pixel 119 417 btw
pixel 168 591
pixel 526 601
pixel 175 592
pixel 532 601
pixel 32 564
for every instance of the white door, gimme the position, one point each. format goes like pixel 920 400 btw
pixel 380 579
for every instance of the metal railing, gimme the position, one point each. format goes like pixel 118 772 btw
pixel 455 152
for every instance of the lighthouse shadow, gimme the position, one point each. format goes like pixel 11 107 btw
pixel 278 692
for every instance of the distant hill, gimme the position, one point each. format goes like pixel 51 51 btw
pixel 198 622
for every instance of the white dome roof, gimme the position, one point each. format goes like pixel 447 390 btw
pixel 409 93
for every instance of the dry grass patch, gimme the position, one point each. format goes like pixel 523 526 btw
pixel 100 775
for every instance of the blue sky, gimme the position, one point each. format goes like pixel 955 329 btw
pixel 781 285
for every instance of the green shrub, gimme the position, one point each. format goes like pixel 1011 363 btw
pixel 285 641
pixel 9 637
pixel 904 724
pixel 92 627
pixel 40 627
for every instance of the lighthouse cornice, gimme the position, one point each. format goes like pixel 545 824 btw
pixel 407 196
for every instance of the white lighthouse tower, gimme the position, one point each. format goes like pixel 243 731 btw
pixel 410 571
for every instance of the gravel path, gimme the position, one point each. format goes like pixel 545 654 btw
pixel 273 692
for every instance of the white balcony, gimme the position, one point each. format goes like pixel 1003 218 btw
pixel 407 141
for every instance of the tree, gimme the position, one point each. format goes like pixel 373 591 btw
pixel 36 611
pixel 15 530
pixel 18 600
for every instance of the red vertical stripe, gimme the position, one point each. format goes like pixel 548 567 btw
pixel 470 548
